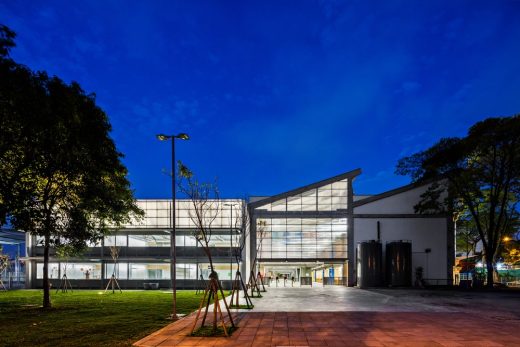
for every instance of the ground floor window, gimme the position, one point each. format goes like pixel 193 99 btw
pixel 81 271
pixel 121 270
pixel 140 271
pixel 53 270
pixel 224 271
pixel 133 271
pixel 326 273
pixel 74 271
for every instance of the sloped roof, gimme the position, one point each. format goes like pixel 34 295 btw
pixel 392 192
pixel 349 174
pixel 12 237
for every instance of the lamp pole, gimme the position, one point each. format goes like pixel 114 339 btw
pixel 173 253
pixel 231 205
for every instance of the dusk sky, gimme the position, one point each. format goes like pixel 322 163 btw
pixel 278 94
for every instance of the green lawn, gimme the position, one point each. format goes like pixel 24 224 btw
pixel 86 317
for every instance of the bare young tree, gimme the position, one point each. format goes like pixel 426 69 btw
pixel 114 253
pixel 241 222
pixel 206 207
pixel 255 279
pixel 65 251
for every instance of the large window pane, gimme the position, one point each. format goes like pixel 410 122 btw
pixel 115 240
pixel 53 270
pixel 81 271
pixel 160 240
pixel 96 243
pixel 191 271
pixel 305 238
pixel 222 241
pixel 279 205
pixel 121 270
pixel 223 270
pixel 149 271
pixel 190 241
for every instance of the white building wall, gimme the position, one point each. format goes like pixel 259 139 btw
pixel 422 232
pixel 398 221
pixel 396 204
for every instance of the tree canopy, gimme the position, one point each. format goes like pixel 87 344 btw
pixel 61 176
pixel 477 176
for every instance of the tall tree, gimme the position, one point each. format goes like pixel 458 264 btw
pixel 20 99
pixel 62 176
pixel 479 173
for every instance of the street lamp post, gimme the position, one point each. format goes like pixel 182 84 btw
pixel 231 205
pixel 173 253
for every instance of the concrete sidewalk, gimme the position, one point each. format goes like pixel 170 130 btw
pixel 339 316
pixel 338 298
pixel 348 329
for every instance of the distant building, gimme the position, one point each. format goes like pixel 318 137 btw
pixel 310 232
pixel 13 245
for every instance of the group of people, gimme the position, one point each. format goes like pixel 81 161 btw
pixel 277 279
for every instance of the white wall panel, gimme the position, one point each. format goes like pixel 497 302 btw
pixel 422 232
pixel 399 203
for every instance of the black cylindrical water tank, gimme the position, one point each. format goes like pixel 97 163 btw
pixel 399 263
pixel 369 264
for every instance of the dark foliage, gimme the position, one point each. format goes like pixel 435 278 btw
pixel 61 176
pixel 477 177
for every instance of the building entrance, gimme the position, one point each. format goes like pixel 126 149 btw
pixel 294 274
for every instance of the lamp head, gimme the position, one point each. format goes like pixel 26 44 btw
pixel 183 136
pixel 162 137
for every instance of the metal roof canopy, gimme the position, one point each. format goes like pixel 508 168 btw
pixel 11 237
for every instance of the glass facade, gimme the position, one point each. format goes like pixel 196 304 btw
pixel 133 270
pixel 121 270
pixel 223 270
pixel 158 214
pixel 143 271
pixel 81 271
pixel 116 240
pixel 144 248
pixel 305 225
pixel 157 240
pixel 330 197
pixel 302 238
pixel 54 269
pixel 74 271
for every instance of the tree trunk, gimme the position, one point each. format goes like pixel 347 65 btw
pixel 489 268
pixel 46 289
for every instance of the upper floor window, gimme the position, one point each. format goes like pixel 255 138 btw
pixel 330 197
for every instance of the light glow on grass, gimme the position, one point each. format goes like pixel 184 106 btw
pixel 86 317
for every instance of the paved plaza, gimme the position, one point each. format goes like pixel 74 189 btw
pixel 340 316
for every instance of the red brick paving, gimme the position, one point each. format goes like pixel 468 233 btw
pixel 412 329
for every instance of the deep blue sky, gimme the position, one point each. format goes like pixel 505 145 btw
pixel 278 94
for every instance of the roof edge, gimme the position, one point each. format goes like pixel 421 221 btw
pixel 394 191
pixel 348 174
